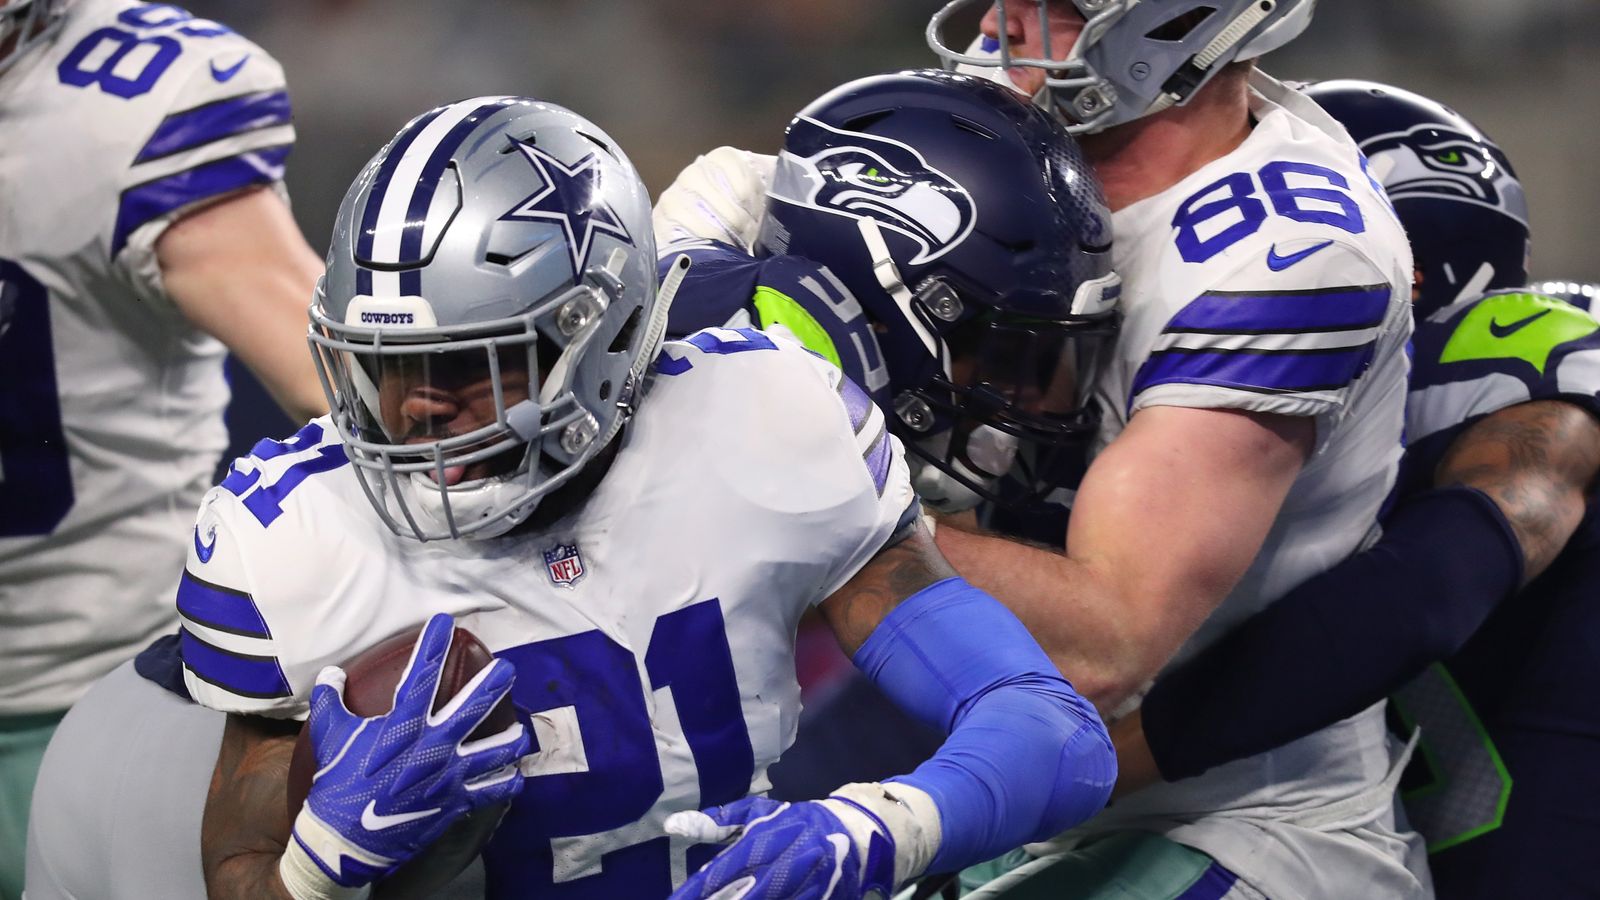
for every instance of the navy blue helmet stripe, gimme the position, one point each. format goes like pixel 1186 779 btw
pixel 248 676
pixel 1287 312
pixel 428 180
pixel 380 184
pixel 220 608
pixel 144 203
pixel 215 121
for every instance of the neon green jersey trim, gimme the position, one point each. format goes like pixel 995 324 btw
pixel 777 308
pixel 1528 327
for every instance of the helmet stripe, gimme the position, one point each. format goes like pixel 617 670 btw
pixel 427 181
pixel 380 183
pixel 408 178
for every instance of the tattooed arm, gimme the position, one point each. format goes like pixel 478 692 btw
pixel 1509 494
pixel 246 824
pixel 1537 461
pixel 897 572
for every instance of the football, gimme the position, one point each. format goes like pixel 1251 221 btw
pixel 370 680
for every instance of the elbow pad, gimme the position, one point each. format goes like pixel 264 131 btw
pixel 1026 756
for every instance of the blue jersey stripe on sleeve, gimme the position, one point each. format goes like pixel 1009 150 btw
pixel 149 201
pixel 856 403
pixel 248 676
pixel 1284 312
pixel 1271 373
pixel 214 121
pixel 879 457
pixel 220 608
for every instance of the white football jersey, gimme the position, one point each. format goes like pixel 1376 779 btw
pixel 1277 279
pixel 652 628
pixel 111 419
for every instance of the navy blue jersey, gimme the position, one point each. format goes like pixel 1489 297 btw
pixel 1505 787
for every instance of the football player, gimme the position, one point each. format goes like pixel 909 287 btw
pixel 508 447
pixel 919 231
pixel 143 227
pixel 1266 314
pixel 1494 503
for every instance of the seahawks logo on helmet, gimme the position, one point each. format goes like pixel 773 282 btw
pixel 1432 161
pixel 868 177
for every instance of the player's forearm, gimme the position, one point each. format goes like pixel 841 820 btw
pixel 1068 609
pixel 1538 462
pixel 956 659
pixel 246 824
pixel 1338 643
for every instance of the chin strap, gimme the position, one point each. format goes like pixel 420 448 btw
pixel 889 279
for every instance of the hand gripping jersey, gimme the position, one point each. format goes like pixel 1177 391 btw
pixel 1505 789
pixel 652 629
pixel 1277 279
pixel 110 418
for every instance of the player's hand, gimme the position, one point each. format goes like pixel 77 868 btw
pixel 388 786
pixel 720 196
pixel 840 848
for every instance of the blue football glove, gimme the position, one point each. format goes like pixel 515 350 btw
pixel 388 786
pixel 841 848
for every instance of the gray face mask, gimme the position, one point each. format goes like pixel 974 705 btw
pixel 32 21
pixel 1130 59
pixel 991 453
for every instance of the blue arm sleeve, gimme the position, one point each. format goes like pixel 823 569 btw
pixel 1026 757
pixel 1341 641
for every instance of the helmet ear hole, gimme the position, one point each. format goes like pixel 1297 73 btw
pixel 624 336
pixel 1180 27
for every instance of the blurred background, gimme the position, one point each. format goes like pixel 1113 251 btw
pixel 670 80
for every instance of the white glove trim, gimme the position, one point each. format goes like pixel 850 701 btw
pixel 909 814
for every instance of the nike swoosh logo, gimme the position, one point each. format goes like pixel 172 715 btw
pixel 1278 263
pixel 228 73
pixel 371 821
pixel 205 550
pixel 1505 331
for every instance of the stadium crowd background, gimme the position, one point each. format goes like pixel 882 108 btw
pixel 670 80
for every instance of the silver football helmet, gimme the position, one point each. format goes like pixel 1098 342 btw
pixel 488 311
pixel 1132 58
pixel 30 22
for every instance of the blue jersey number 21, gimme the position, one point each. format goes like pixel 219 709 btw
pixel 1230 209
pixel 620 779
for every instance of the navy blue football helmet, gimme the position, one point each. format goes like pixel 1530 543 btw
pixel 1453 188
pixel 978 241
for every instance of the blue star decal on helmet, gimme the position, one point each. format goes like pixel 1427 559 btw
pixel 571 198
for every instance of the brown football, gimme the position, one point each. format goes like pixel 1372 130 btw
pixel 370 680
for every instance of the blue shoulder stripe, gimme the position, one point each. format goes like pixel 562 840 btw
pixel 878 457
pixel 259 677
pixel 856 403
pixel 1261 372
pixel 147 202
pixel 217 120
pixel 1284 312
pixel 223 609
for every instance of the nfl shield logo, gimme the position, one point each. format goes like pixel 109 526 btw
pixel 565 564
